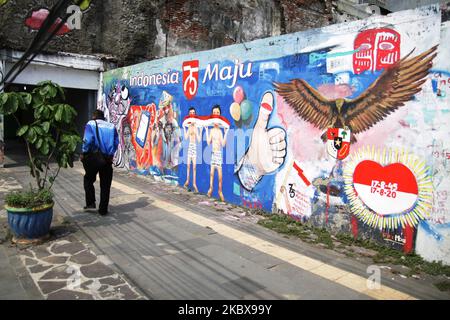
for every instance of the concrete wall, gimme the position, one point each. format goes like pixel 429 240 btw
pixel 129 31
pixel 269 146
pixel 433 235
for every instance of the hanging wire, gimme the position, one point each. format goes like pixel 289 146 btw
pixel 39 42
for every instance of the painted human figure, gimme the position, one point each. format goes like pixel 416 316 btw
pixel 172 139
pixel 129 153
pixel 118 105
pixel 218 141
pixel 194 134
pixel 167 138
pixel 157 142
pixel 148 156
pixel 154 140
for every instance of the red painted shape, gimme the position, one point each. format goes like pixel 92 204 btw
pixel 408 231
pixel 37 19
pixel 377 49
pixel 354 223
pixel 267 106
pixel 344 150
pixel 367 171
pixel 332 133
pixel 301 175
pixel 225 120
pixel 144 155
pixel 190 78
pixel 341 149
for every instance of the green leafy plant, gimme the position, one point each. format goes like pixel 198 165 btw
pixel 30 198
pixel 50 136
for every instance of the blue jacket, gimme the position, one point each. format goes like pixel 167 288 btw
pixel 109 139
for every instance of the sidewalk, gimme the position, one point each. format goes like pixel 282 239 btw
pixel 168 243
pixel 15 282
pixel 62 268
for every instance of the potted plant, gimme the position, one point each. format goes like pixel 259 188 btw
pixel 51 140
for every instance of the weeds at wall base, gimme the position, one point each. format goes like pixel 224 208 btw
pixel 443 286
pixel 286 225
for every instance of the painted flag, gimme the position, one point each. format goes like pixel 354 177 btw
pixel 206 121
pixel 338 143
pixel 386 190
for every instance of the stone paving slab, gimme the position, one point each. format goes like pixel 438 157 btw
pixel 72 271
pixel 60 269
pixel 9 183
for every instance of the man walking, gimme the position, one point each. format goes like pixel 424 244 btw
pixel 100 136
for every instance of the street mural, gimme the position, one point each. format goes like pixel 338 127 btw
pixel 388 188
pixel 433 234
pixel 37 18
pixel 295 193
pixel 338 126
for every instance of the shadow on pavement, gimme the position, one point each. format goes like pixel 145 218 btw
pixel 118 214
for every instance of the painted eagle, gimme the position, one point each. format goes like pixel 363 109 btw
pixel 387 93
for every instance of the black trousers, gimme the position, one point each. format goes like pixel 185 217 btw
pixel 106 175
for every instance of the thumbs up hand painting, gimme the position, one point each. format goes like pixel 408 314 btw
pixel 267 148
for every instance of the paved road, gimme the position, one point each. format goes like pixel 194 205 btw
pixel 173 244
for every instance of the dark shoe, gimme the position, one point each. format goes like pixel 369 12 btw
pixel 90 208
pixel 103 213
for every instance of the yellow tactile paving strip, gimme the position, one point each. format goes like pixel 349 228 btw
pixel 319 268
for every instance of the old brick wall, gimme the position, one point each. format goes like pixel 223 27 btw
pixel 15 34
pixel 135 31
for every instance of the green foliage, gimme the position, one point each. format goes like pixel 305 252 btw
pixel 386 255
pixel 390 255
pixel 286 225
pixel 51 135
pixel 29 199
pixel 443 285
pixel 83 4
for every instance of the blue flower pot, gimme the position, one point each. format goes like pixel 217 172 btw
pixel 30 223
